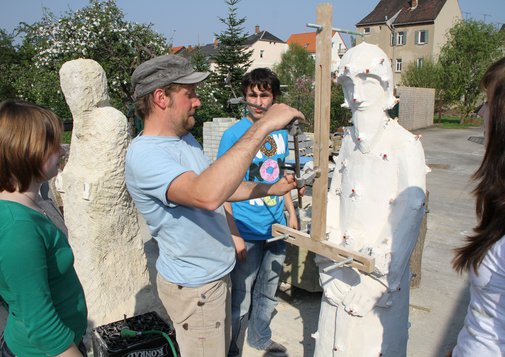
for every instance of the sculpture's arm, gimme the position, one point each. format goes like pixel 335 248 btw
pixel 399 236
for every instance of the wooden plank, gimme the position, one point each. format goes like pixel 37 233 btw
pixel 322 120
pixel 417 254
pixel 360 261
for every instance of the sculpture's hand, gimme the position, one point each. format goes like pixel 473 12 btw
pixel 336 283
pixel 361 299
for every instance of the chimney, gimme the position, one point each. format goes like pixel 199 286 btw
pixel 413 4
pixel 257 29
pixel 216 42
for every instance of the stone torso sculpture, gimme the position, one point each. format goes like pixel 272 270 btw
pixel 100 216
pixel 375 207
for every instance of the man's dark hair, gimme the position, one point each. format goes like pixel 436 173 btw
pixel 264 79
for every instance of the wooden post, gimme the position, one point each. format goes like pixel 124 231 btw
pixel 417 254
pixel 322 120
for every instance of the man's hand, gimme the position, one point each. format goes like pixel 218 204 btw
pixel 283 186
pixel 240 248
pixel 279 116
pixel 238 241
pixel 293 222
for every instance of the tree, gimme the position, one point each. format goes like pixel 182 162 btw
pixel 422 76
pixel 471 48
pixel 339 116
pixel 295 63
pixel 232 58
pixel 98 32
pixel 8 55
pixel 296 70
pixel 210 107
pixel 198 60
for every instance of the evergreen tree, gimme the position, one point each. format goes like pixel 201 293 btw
pixel 198 60
pixel 232 59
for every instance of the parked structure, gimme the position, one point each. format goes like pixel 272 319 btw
pixel 308 41
pixel 409 30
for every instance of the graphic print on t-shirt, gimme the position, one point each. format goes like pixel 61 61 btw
pixel 267 166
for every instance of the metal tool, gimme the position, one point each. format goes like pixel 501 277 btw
pixel 337 265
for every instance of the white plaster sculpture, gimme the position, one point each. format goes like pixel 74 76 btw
pixel 101 218
pixel 375 206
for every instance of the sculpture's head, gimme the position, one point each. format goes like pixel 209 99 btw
pixel 366 77
pixel 84 84
pixel 367 81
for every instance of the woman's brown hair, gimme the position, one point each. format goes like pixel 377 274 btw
pixel 490 177
pixel 29 133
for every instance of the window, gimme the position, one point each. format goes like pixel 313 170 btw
pixel 419 62
pixel 398 65
pixel 421 37
pixel 366 30
pixel 401 38
pixel 261 53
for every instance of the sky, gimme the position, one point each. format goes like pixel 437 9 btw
pixel 193 22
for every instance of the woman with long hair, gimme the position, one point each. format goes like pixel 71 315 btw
pixel 47 309
pixel 483 255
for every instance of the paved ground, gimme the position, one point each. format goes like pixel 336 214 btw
pixel 438 306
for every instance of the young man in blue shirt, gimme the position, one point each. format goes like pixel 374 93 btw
pixel 255 277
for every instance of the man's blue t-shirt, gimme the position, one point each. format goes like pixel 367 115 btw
pixel 254 218
pixel 195 244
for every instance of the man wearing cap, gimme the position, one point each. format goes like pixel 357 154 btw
pixel 181 197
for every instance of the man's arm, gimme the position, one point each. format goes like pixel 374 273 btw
pixel 218 182
pixel 248 189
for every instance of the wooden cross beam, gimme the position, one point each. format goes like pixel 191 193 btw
pixel 317 241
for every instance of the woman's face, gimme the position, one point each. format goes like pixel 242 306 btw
pixel 52 163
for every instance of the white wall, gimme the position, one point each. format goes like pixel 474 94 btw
pixel 267 53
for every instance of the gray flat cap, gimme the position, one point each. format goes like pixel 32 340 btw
pixel 161 71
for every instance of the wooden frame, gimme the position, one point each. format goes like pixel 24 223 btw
pixel 317 241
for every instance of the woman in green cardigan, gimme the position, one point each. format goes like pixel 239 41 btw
pixel 47 308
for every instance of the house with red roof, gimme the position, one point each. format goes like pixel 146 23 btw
pixel 178 50
pixel 308 41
